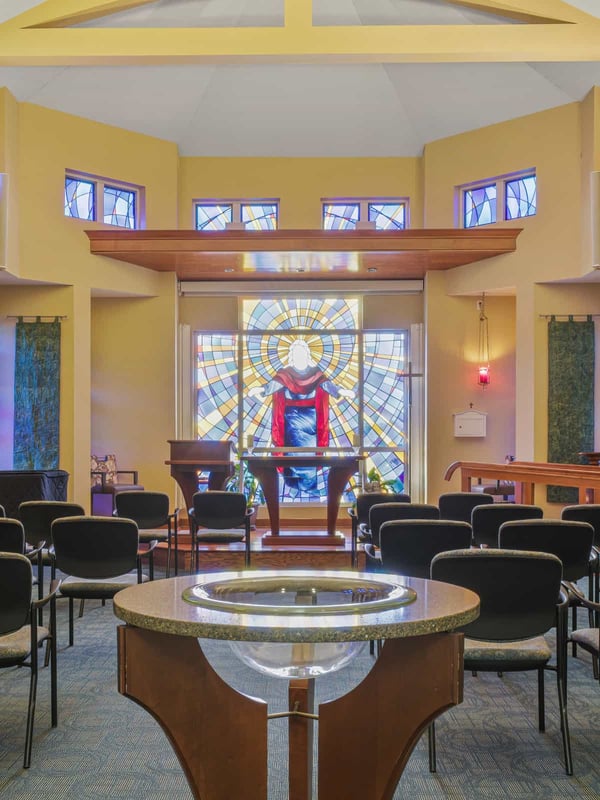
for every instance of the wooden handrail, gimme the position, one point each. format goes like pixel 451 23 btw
pixel 525 474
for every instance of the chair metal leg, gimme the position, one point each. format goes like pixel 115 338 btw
pixel 81 606
pixel 175 536
pixel 70 622
pixel 53 674
pixel 541 703
pixel 432 748
pixel 30 711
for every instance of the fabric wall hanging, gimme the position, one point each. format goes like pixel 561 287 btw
pixel 570 397
pixel 37 394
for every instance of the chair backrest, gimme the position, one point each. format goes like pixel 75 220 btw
pixel 459 505
pixel 15 591
pixel 408 546
pixel 568 540
pixel 386 512
pixel 95 547
pixel 586 512
pixel 147 509
pixel 486 519
pixel 12 536
pixel 518 590
pixel 37 517
pixel 368 499
pixel 220 510
pixel 2 511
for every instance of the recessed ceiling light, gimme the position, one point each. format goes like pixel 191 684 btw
pixel 300 269
pixel 229 269
pixel 372 269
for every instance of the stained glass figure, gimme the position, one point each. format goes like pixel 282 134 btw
pixel 79 198
pixel 339 217
pixel 213 217
pixel 388 216
pixel 119 207
pixel 521 197
pixel 259 216
pixel 479 206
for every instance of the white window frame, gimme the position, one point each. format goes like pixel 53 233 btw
pixel 500 182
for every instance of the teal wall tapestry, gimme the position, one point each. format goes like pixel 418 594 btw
pixel 37 394
pixel 570 397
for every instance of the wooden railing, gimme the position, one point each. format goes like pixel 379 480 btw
pixel 526 474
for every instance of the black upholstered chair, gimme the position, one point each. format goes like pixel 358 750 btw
pixel 150 510
pixel 569 540
pixel 20 635
pixel 219 518
pixel 589 512
pixel 408 546
pixel 359 515
pixel 37 517
pixel 521 599
pixel 588 638
pixel 382 513
pixel 99 555
pixel 12 536
pixel 487 519
pixel 459 505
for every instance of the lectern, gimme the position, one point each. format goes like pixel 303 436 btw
pixel 190 456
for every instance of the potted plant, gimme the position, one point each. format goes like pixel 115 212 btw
pixel 250 487
pixel 374 482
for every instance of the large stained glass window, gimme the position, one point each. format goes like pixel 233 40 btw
pixel 520 197
pixel 302 373
pixel 479 206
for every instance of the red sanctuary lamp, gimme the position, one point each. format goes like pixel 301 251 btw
pixel 483 370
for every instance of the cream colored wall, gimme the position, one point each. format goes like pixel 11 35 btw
pixel 133 382
pixel 452 334
pixel 299 184
pixel 9 206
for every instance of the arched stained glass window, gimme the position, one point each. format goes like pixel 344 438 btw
pixel 479 206
pixel 302 373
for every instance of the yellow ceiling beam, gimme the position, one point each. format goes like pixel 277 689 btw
pixel 38 37
pixel 365 44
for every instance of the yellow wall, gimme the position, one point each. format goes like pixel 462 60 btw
pixel 299 184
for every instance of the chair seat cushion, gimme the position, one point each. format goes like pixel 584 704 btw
pixel 98 588
pixel 216 536
pixel 16 646
pixel 526 654
pixel 587 637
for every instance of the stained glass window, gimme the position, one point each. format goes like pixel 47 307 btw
pixel 259 216
pixel 520 197
pixel 479 206
pixel 79 198
pixel 340 217
pixel 213 217
pixel 119 207
pixel 301 372
pixel 388 216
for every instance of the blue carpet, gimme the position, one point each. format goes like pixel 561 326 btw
pixel 105 746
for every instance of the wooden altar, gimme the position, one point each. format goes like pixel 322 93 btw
pixel 341 469
pixel 190 456
pixel 526 474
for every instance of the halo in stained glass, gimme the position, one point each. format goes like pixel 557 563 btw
pixel 79 198
pixel 479 206
pixel 521 197
pixel 291 313
pixel 213 217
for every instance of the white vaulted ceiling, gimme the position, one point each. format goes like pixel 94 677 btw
pixel 256 100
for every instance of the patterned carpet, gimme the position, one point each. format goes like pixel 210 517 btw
pixel 107 747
